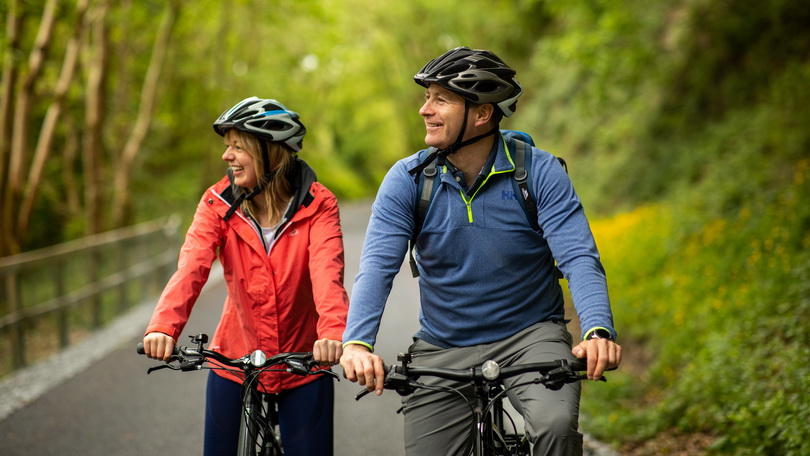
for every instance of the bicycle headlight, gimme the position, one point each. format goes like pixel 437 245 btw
pixel 258 358
pixel 491 370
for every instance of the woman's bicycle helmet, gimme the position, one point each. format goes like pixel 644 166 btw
pixel 267 119
pixel 477 75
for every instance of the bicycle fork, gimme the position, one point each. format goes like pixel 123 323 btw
pixel 246 443
pixel 259 418
pixel 483 426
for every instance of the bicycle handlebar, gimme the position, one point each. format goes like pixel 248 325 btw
pixel 476 373
pixel 192 358
pixel 403 377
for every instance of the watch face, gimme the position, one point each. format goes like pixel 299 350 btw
pixel 601 334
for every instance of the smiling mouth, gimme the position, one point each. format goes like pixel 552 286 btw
pixel 237 169
pixel 432 125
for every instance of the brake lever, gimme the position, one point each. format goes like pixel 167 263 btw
pixel 325 372
pixel 394 381
pixel 162 366
pixel 361 394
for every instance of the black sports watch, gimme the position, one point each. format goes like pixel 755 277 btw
pixel 600 333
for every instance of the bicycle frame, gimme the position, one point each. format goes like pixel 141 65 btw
pixel 491 437
pixel 503 440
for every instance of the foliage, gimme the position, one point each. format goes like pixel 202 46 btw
pixel 709 275
pixel 724 302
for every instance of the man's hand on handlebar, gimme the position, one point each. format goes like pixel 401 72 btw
pixel 362 366
pixel 602 354
pixel 157 345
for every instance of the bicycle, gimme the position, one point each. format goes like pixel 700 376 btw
pixel 258 431
pixel 488 435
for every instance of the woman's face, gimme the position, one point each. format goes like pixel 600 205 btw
pixel 240 161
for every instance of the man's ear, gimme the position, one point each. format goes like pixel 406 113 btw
pixel 483 113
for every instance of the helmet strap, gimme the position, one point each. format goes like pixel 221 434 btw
pixel 267 177
pixel 441 155
pixel 459 144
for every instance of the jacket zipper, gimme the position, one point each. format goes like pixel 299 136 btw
pixel 467 202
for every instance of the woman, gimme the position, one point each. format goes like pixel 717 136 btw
pixel 277 234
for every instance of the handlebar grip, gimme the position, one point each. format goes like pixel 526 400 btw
pixel 139 349
pixel 579 364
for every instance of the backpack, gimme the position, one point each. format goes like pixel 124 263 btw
pixel 518 142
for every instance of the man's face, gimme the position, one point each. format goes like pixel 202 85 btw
pixel 443 113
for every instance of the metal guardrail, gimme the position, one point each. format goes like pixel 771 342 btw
pixel 79 282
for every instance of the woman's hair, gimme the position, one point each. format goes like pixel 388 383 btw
pixel 278 191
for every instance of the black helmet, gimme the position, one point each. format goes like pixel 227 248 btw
pixel 267 119
pixel 477 75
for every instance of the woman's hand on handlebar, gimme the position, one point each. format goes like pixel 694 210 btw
pixel 327 352
pixel 157 345
pixel 602 355
pixel 362 366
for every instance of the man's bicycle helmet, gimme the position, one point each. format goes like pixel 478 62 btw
pixel 477 75
pixel 267 119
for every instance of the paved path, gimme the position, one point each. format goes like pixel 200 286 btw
pixel 96 399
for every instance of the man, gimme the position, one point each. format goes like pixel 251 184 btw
pixel 487 283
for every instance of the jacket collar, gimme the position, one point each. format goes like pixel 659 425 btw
pixel 503 157
pixel 301 176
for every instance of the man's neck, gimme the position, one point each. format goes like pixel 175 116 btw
pixel 470 159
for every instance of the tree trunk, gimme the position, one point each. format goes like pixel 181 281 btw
pixel 19 142
pixel 48 131
pixel 93 122
pixel 69 156
pixel 10 70
pixel 19 138
pixel 123 169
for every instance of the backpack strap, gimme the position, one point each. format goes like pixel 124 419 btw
pixel 427 185
pixel 425 194
pixel 521 180
pixel 523 189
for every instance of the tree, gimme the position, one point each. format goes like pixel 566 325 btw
pixel 58 98
pixel 123 170
pixel 48 131
pixel 17 163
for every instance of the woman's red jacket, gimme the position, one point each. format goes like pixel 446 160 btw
pixel 278 302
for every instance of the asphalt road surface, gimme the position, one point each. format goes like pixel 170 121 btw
pixel 96 398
